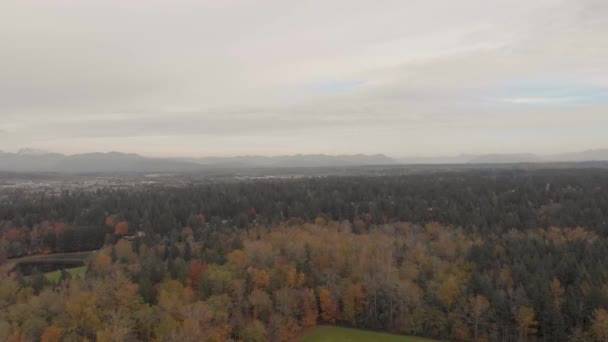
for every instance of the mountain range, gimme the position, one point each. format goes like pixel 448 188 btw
pixel 30 160
pixel 298 160
pixel 511 158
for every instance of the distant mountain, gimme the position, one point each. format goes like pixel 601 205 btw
pixel 29 160
pixel 589 155
pixel 475 159
pixel 37 161
pixel 459 159
pixel 584 156
pixel 120 162
pixel 513 158
pixel 25 161
pixel 298 160
pixel 32 152
pixel 506 159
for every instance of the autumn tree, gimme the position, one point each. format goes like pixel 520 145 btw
pixel 121 228
pixel 526 322
pixel 254 332
pixel 187 233
pixel 117 327
pixel 353 301
pixel 147 317
pixel 195 272
pixel 259 278
pixel 478 305
pixel 286 302
pixel 82 314
pixel 261 304
pixel 283 328
pixel 308 305
pixel 124 251
pixel 237 261
pixel 174 298
pixel 329 308
pixel 292 277
pixel 599 325
pixel 51 334
pixel 110 220
pixel 101 263
pixel 557 292
pixel 448 291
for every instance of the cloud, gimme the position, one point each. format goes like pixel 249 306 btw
pixel 311 76
pixel 333 87
pixel 544 100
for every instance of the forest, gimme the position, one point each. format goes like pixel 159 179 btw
pixel 476 255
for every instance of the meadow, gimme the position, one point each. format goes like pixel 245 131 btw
pixel 339 334
pixel 76 272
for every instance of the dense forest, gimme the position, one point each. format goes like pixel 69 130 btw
pixel 490 255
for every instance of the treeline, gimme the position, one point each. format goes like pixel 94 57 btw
pixel 487 200
pixel 273 283
pixel 490 255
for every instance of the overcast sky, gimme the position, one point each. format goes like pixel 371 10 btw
pixel 230 77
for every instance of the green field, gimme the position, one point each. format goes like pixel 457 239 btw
pixel 76 272
pixel 337 334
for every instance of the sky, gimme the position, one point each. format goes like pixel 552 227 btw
pixel 237 77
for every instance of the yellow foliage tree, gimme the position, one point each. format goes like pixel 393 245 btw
pixel 220 333
pixel 82 313
pixel 292 277
pixel 124 251
pixel 354 302
pixel 237 260
pixel 557 292
pixel 526 322
pixel 478 305
pixel 448 291
pixel 259 278
pixel 101 263
pixel 599 325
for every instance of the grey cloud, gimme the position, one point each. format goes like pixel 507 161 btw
pixel 180 125
pixel 237 73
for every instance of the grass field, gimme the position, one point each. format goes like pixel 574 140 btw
pixel 76 272
pixel 338 334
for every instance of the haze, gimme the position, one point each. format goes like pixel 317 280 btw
pixel 405 78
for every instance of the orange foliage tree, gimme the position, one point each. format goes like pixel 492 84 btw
pixel 111 220
pixel 51 334
pixel 121 228
pixel 259 278
pixel 329 308
pixel 308 305
pixel 195 272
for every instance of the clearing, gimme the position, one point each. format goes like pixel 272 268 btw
pixel 76 272
pixel 45 263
